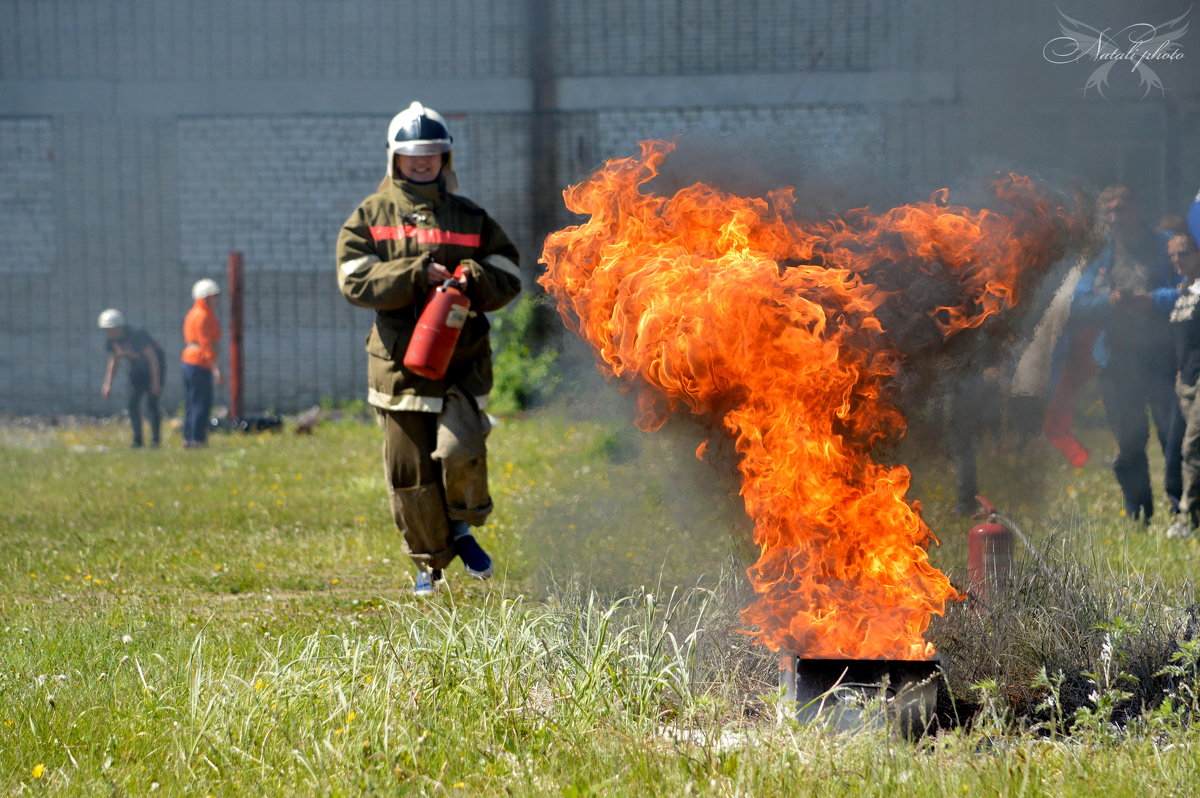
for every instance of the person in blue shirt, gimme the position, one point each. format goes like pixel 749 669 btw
pixel 1127 292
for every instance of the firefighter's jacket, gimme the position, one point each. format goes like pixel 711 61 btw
pixel 382 252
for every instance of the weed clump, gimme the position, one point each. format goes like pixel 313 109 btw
pixel 1067 643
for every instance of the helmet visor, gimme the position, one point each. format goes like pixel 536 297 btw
pixel 421 147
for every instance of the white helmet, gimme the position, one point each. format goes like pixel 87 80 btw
pixel 111 319
pixel 205 288
pixel 417 130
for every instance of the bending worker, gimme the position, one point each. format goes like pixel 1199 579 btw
pixel 146 366
pixel 399 243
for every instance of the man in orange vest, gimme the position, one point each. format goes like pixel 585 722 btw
pixel 201 332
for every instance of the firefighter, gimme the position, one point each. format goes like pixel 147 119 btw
pixel 399 243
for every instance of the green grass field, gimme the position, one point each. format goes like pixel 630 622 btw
pixel 239 621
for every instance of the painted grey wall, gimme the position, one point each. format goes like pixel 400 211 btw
pixel 143 140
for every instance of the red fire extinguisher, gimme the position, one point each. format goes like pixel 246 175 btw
pixel 437 331
pixel 989 554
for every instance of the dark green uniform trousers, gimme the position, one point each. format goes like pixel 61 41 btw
pixel 436 470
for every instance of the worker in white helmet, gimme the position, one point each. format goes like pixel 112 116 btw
pixel 136 347
pixel 201 332
pixel 403 240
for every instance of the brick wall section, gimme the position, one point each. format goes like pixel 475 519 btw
pixel 632 37
pixel 26 184
pixel 80 236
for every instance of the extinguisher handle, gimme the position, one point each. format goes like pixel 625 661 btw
pixel 985 508
pixel 459 280
pixel 461 276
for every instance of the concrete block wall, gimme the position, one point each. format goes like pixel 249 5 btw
pixel 142 140
pixel 211 41
pixel 629 37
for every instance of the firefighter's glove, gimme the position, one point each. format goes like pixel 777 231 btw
pixel 436 274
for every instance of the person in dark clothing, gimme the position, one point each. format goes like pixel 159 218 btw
pixel 146 363
pixel 1126 292
pixel 1185 328
pixel 969 407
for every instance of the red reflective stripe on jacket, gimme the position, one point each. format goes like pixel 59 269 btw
pixel 385 233
pixel 425 235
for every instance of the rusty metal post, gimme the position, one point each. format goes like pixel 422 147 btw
pixel 235 335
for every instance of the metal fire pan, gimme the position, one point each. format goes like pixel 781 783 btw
pixel 849 694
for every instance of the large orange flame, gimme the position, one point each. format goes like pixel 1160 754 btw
pixel 789 336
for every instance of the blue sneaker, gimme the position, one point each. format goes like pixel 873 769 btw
pixel 476 561
pixel 428 582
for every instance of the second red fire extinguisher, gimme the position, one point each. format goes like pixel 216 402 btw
pixel 438 328
pixel 989 554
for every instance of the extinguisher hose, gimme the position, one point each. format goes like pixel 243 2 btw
pixel 1008 522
